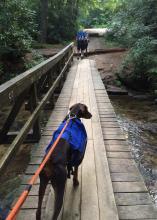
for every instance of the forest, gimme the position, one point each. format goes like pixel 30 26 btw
pixel 29 24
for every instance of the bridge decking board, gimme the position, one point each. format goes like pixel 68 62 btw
pixel 111 186
pixel 131 194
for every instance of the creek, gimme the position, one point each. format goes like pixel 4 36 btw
pixel 138 119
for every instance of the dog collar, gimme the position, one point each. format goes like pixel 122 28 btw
pixel 72 116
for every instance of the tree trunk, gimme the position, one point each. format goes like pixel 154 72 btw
pixel 44 20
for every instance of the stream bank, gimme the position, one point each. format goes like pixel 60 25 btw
pixel 139 120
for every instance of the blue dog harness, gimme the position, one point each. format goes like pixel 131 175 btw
pixel 75 134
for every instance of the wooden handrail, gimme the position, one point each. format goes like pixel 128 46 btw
pixel 14 87
pixel 35 114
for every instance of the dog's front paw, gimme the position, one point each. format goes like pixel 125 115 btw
pixel 75 182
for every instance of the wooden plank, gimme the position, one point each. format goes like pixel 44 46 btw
pixel 118 168
pixel 114 137
pixel 100 91
pixel 103 95
pixel 112 131
pixel 37 160
pixel 107 204
pixel 130 199
pixel 26 178
pixel 33 192
pixel 129 187
pixel 108 120
pixel 117 148
pixel 126 177
pixel 117 161
pixel 50 128
pixel 31 169
pixel 26 214
pixel 72 200
pixel 137 212
pixel 116 142
pixel 119 155
pixel 109 125
pixel 40 153
pixel 72 196
pixel 90 203
pixel 107 115
pixel 48 133
pixel 48 212
pixel 32 202
pixel 87 123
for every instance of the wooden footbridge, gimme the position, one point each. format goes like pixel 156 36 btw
pixel 111 186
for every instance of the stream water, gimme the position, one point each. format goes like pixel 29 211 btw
pixel 138 118
pixel 12 175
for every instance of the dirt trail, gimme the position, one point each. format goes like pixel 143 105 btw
pixel 96 43
pixel 107 64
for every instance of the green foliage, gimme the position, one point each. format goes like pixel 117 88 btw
pixel 62 23
pixel 94 14
pixel 134 26
pixel 141 56
pixel 97 17
pixel 36 58
pixel 16 27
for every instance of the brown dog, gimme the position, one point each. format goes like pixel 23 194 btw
pixel 56 168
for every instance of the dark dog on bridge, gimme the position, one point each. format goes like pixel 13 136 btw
pixel 67 156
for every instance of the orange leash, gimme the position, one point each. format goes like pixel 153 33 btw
pixel 25 193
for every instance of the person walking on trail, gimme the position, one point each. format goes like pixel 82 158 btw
pixel 86 41
pixel 82 43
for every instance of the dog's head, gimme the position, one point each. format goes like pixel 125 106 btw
pixel 81 111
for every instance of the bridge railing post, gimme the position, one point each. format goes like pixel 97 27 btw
pixel 33 100
pixel 51 102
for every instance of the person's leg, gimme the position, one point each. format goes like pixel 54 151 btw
pixel 82 48
pixel 78 49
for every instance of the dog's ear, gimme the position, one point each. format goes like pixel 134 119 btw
pixel 72 107
pixel 75 105
pixel 82 108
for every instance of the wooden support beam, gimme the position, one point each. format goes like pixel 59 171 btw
pixel 11 118
pixel 33 104
pixel 51 102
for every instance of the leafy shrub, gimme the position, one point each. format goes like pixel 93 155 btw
pixel 136 69
pixel 36 58
pixel 134 25
pixel 16 27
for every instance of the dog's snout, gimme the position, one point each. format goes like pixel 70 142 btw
pixel 88 115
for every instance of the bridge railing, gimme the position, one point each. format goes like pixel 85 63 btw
pixel 35 90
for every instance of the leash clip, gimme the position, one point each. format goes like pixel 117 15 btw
pixel 70 116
